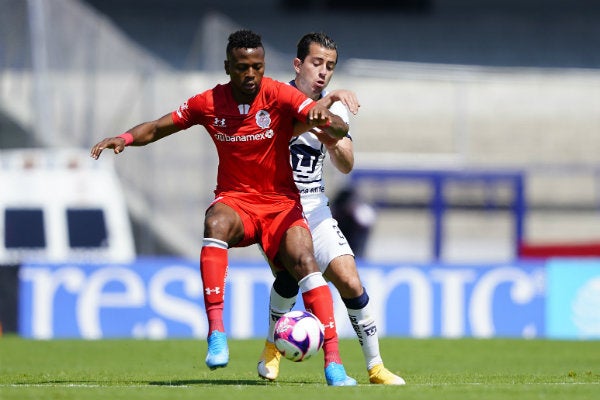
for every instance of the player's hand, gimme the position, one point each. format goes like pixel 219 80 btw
pixel 346 97
pixel 115 143
pixel 319 116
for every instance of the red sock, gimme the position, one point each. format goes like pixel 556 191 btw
pixel 213 269
pixel 319 302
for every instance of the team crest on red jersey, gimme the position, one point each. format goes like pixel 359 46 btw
pixel 263 119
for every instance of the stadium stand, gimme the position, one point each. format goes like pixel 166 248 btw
pixel 516 33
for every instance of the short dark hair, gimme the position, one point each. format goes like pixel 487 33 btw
pixel 243 39
pixel 319 38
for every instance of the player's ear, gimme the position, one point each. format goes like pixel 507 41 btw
pixel 297 63
pixel 226 65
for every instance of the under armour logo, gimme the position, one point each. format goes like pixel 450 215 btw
pixel 210 291
pixel 219 122
pixel 330 325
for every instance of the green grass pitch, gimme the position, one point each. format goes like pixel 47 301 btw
pixel 174 369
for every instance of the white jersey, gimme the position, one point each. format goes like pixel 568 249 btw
pixel 307 155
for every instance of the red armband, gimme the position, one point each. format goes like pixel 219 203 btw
pixel 128 137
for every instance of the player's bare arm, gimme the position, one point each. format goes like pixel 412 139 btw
pixel 341 154
pixel 141 135
pixel 333 125
pixel 346 97
pixel 341 151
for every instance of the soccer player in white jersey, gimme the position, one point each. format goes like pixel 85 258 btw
pixel 314 65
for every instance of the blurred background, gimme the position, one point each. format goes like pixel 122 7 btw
pixel 488 86
pixel 477 140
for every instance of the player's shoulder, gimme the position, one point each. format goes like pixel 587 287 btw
pixel 219 89
pixel 273 85
pixel 280 92
pixel 217 96
pixel 207 93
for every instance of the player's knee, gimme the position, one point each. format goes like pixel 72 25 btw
pixel 348 286
pixel 308 263
pixel 302 265
pixel 221 225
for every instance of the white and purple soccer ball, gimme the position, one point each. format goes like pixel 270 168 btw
pixel 298 335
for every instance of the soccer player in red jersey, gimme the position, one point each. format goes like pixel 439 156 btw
pixel 250 120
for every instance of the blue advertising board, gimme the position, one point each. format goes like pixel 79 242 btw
pixel 162 298
pixel 573 305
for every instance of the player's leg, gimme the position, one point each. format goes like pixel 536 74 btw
pixel 221 226
pixel 282 299
pixel 343 274
pixel 296 254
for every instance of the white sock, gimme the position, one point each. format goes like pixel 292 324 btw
pixel 278 306
pixel 311 281
pixel 366 331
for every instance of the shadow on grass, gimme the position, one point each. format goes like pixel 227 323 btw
pixel 180 382
pixel 219 382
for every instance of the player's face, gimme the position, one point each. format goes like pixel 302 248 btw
pixel 246 68
pixel 314 73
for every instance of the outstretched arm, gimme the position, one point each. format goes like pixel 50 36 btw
pixel 140 135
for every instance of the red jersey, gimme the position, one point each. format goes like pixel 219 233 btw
pixel 252 140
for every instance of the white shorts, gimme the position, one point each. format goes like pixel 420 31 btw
pixel 328 240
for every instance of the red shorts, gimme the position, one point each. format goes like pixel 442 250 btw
pixel 265 217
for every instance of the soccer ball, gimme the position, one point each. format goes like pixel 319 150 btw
pixel 298 335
